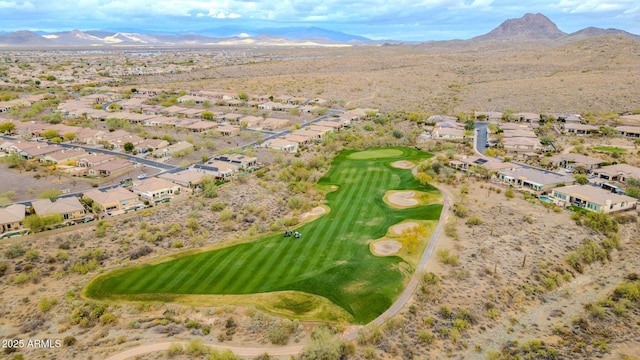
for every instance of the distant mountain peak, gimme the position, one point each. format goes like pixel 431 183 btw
pixel 530 26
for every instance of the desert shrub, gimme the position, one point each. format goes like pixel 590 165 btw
pixel 446 257
pixel 509 193
pixel 45 304
pixel 69 341
pixel 451 228
pixel 14 251
pixel 3 268
pixel 108 318
pixel 140 252
pixel 629 291
pixel 601 222
pixel 474 220
pixel 425 336
pixel 459 210
pixel 226 214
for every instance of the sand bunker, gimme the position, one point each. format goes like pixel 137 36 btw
pixel 386 247
pixel 403 198
pixel 403 164
pixel 318 210
pixel 398 229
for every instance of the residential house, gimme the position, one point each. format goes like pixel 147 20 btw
pixel 94 159
pixel 218 169
pixel 448 131
pixel 228 130
pixel 38 151
pixel 536 180
pixel 185 178
pixel 632 132
pixel 580 129
pixel 270 105
pixel 488 163
pixel 618 172
pixel 252 122
pixel 441 118
pixel 155 190
pixel 69 207
pixel 151 145
pixel 89 136
pixel 282 144
pixel 63 156
pixel 11 217
pixel 201 126
pixel 242 161
pixel 521 144
pixel 335 125
pixel 592 198
pixel 113 201
pixel 573 160
pixel 300 139
pixel 274 123
pixel 527 117
pixel 322 130
pixel 176 148
pixel 231 117
pixel 488 115
pixel 114 167
pixel 313 135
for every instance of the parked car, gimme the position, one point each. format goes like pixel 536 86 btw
pixel 142 176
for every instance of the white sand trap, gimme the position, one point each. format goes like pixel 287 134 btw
pixel 403 198
pixel 398 229
pixel 318 210
pixel 386 247
pixel 403 164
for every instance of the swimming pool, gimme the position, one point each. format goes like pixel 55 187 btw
pixel 545 198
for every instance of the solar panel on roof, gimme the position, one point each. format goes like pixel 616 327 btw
pixel 480 161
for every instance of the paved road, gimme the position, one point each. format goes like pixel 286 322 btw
pixel 481 136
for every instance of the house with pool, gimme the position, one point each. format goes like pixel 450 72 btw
pixel 593 199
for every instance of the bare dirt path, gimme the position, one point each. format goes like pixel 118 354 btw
pixel 241 351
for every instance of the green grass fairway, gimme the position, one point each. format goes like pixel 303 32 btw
pixel 611 149
pixel 332 260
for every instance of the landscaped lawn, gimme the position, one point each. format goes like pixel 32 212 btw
pixel 612 149
pixel 332 260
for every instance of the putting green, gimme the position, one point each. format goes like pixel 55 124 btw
pixel 332 260
pixel 375 154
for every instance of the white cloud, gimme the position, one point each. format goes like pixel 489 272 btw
pixel 22 5
pixel 587 6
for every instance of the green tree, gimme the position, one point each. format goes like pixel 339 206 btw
pixel 207 115
pixel 242 95
pixel 50 134
pixel 582 179
pixel 128 147
pixel 7 127
pixel 50 194
pixel 469 125
pixel 69 136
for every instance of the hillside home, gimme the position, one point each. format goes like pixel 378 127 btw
pixel 580 129
pixel 632 132
pixel 618 172
pixel 242 161
pixel 176 148
pixel 94 159
pixel 69 207
pixel 571 160
pixel 536 180
pixel 216 168
pixel 274 123
pixel 592 198
pixel 228 130
pixel 114 167
pixel 185 178
pixel 282 144
pixel 114 200
pixel 155 190
pixel 11 217
pixel 63 156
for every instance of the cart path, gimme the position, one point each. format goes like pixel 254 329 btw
pixel 240 351
pixel 352 332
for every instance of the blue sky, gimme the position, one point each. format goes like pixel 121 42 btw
pixel 376 19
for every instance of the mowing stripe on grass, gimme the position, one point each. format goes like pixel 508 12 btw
pixel 332 259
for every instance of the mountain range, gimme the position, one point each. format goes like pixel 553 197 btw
pixel 530 27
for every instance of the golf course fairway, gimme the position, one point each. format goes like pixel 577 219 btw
pixel 331 265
